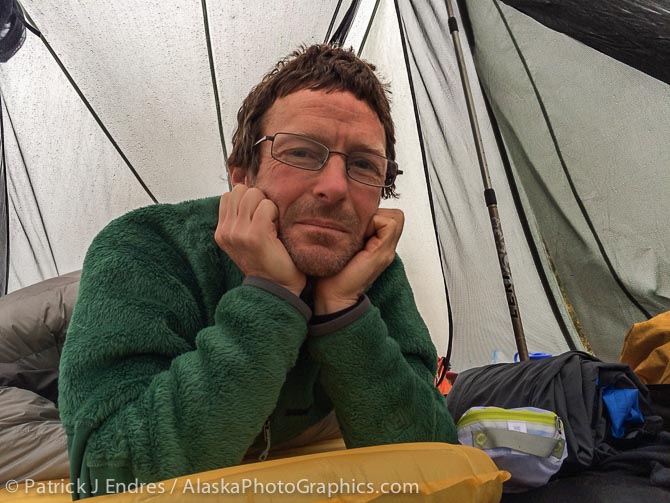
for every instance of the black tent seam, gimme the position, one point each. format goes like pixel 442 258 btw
pixel 32 190
pixel 573 189
pixel 342 31
pixel 367 30
pixel 93 113
pixel 33 30
pixel 332 21
pixel 3 162
pixel 427 177
pixel 212 70
pixel 525 225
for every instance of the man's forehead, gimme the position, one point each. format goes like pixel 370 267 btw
pixel 318 112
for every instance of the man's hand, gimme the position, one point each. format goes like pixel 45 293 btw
pixel 344 289
pixel 247 232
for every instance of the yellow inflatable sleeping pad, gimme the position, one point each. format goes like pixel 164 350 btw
pixel 433 472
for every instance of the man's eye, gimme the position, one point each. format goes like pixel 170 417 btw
pixel 362 164
pixel 301 153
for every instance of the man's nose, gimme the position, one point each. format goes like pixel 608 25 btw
pixel 332 182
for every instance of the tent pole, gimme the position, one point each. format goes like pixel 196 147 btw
pixel 489 193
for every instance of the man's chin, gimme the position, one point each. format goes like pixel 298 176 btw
pixel 319 261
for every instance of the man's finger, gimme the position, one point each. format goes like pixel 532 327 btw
pixel 230 201
pixel 388 224
pixel 249 203
pixel 393 213
pixel 266 211
pixel 223 206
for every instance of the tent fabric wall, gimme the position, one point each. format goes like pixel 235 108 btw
pixel 587 139
pixel 149 89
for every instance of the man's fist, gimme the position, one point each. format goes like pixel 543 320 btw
pixel 343 290
pixel 247 232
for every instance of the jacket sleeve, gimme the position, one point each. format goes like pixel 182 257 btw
pixel 150 386
pixel 379 370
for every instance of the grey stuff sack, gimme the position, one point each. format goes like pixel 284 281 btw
pixel 571 385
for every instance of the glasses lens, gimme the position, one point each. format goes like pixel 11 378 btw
pixel 299 151
pixel 370 169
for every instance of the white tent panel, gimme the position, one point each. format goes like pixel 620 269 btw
pixel 30 259
pixel 66 169
pixel 418 245
pixel 144 68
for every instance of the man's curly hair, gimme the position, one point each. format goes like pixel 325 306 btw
pixel 315 67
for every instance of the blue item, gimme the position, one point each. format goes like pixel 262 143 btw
pixel 623 408
pixel 533 356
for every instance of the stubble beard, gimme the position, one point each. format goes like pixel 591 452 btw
pixel 316 254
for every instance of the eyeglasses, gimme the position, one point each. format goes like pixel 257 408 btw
pixel 304 153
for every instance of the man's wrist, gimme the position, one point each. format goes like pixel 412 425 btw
pixel 329 323
pixel 281 292
pixel 329 306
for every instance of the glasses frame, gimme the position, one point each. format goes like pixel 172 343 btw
pixel 390 163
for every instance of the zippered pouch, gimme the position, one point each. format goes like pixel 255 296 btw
pixel 527 442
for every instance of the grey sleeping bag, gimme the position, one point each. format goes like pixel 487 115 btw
pixel 33 323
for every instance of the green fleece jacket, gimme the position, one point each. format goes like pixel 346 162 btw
pixel 173 364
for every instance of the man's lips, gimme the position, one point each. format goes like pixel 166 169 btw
pixel 324 224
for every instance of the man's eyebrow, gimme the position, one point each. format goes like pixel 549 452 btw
pixel 356 147
pixel 368 149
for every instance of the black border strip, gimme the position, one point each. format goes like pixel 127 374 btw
pixel 582 208
pixel 532 245
pixel 367 30
pixel 23 15
pixel 32 190
pixel 91 110
pixel 340 35
pixel 332 22
pixel 3 164
pixel 212 70
pixel 427 176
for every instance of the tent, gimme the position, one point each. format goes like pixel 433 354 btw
pixel 108 106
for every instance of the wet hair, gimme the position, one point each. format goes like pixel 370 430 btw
pixel 315 67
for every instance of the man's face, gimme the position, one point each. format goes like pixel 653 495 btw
pixel 323 215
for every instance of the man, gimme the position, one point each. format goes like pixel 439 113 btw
pixel 213 328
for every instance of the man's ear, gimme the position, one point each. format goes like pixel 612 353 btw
pixel 237 175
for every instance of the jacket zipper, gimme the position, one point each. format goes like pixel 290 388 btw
pixel 268 440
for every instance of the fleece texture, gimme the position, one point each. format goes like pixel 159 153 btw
pixel 173 366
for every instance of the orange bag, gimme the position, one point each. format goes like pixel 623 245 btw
pixel 646 349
